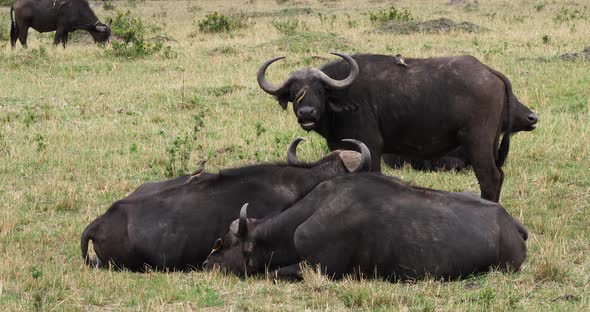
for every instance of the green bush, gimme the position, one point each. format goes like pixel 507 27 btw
pixel 391 14
pixel 132 31
pixel 216 22
pixel 6 2
pixel 108 5
pixel 287 28
pixel 4 27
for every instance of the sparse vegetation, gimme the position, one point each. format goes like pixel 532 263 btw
pixel 81 127
pixel 132 32
pixel 217 22
pixel 4 27
pixel 392 14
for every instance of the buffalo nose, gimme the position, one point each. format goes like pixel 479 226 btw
pixel 533 118
pixel 205 263
pixel 306 111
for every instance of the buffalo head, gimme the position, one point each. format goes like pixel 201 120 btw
pixel 308 90
pixel 521 117
pixel 100 32
pixel 235 252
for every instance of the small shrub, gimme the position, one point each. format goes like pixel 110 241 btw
pixel 216 22
pixel 539 6
pixel 132 30
pixel 566 15
pixel 108 5
pixel 40 142
pixel 286 28
pixel 391 14
pixel 327 19
pixel 179 151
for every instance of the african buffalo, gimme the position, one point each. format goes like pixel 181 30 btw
pixel 423 110
pixel 61 16
pixel 521 119
pixel 375 226
pixel 172 224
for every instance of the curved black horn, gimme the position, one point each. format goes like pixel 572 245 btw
pixel 292 151
pixel 365 155
pixel 243 223
pixel 342 84
pixel 264 84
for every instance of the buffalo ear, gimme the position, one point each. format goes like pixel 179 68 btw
pixel 217 245
pixel 283 101
pixel 350 159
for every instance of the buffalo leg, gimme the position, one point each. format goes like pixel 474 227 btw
pixel 22 35
pixel 59 33
pixel 64 39
pixel 489 176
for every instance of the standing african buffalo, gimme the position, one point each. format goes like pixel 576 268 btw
pixel 521 119
pixel 375 226
pixel 173 224
pixel 61 16
pixel 422 110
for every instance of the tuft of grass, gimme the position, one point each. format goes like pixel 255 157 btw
pixel 392 14
pixel 108 5
pixel 132 32
pixel 569 15
pixel 217 22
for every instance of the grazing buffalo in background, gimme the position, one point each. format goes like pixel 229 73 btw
pixel 61 16
pixel 173 224
pixel 521 119
pixel 421 111
pixel 375 226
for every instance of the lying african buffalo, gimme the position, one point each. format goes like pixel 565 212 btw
pixel 375 226
pixel 61 16
pixel 173 224
pixel 521 119
pixel 422 110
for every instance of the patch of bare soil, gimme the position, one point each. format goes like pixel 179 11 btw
pixel 441 25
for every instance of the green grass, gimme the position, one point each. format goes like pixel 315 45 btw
pixel 80 128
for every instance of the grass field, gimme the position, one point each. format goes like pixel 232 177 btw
pixel 82 127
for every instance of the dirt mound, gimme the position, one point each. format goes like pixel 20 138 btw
pixel 440 25
pixel 573 56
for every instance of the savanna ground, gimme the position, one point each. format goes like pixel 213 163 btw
pixel 82 127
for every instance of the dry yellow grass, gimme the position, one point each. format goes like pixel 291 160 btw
pixel 80 128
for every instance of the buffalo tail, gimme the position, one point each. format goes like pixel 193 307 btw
pixel 13 28
pixel 87 235
pixel 505 144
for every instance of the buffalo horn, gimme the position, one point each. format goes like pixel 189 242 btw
pixel 365 155
pixel 243 223
pixel 101 28
pixel 264 84
pixel 292 151
pixel 342 84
